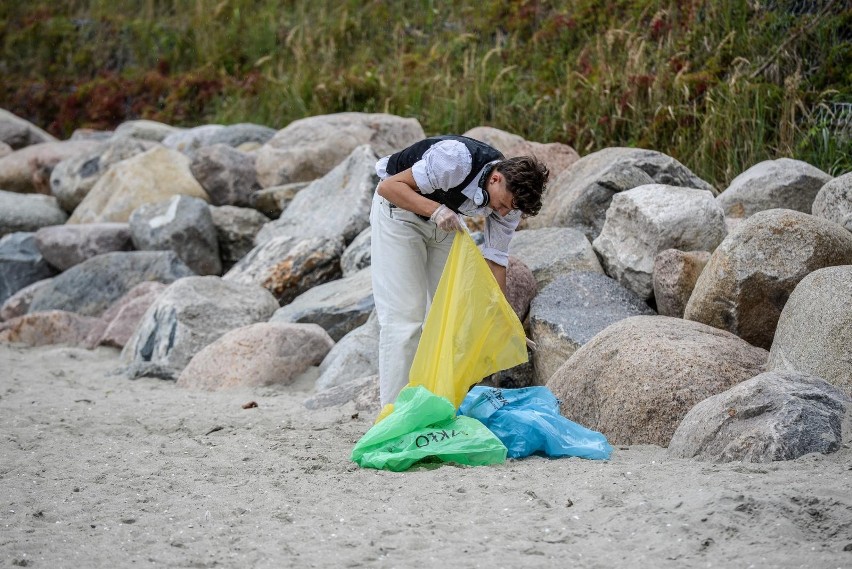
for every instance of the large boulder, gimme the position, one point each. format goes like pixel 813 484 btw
pixel 181 224
pixel 145 130
pixel 259 354
pixel 73 178
pixel 150 177
pixel 64 246
pixel 675 275
pixel 336 204
pixel 355 356
pixel 553 251
pixel 28 212
pixel 21 264
pixel 834 201
pixel 49 327
pixel 814 333
pixel 357 254
pixel 236 228
pixel 555 155
pixel 189 315
pixel 28 170
pixel 751 274
pixel 190 139
pixel 572 310
pixel 521 287
pixel 226 174
pixel 580 196
pixel 94 285
pixel 338 306
pixel 774 416
pixel 18 133
pixel 122 318
pixel 272 201
pixel 19 303
pixel 309 148
pixel 642 222
pixel 5 149
pixel 773 184
pixel 243 134
pixel 637 379
pixel 289 266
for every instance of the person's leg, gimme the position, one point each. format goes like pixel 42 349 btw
pixel 437 252
pixel 398 269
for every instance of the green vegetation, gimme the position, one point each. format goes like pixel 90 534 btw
pixel 719 85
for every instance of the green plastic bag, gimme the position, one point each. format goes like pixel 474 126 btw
pixel 424 426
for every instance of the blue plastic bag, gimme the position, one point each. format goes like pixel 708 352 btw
pixel 527 421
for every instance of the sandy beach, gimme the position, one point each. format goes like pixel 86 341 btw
pixel 100 471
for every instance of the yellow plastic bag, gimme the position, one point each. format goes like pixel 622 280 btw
pixel 471 330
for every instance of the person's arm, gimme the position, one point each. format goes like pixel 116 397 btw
pixel 499 274
pixel 401 190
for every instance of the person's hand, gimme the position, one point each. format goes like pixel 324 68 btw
pixel 531 345
pixel 447 219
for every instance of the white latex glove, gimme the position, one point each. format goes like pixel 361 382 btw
pixel 447 219
pixel 531 345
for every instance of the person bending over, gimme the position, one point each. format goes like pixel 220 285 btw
pixel 416 209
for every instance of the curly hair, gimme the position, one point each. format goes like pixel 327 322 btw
pixel 526 178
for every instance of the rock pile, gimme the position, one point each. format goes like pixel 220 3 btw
pixel 664 312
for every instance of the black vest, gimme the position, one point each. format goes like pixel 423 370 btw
pixel 453 198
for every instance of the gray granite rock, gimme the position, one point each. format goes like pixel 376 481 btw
pixel 570 311
pixel 189 315
pixel 310 148
pixel 751 274
pixel 48 328
pixel 28 212
pixel 580 196
pixel 336 204
pixel 834 201
pixel 356 256
pixel 289 266
pixel 773 184
pixel 271 202
pixel 153 176
pixel 338 306
pixel 189 140
pixel 73 178
pixel 242 133
pixel 814 332
pixel 18 133
pixel 122 318
pixel 675 275
pixel 182 224
pixel 644 221
pixel 19 303
pixel 236 228
pixel 64 246
pixel 94 285
pixel 21 264
pixel 354 356
pixel 554 251
pixel 259 354
pixel 774 416
pixel 226 174
pixel 28 170
pixel 637 379
pixel 145 130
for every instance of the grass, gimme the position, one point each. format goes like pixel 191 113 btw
pixel 719 85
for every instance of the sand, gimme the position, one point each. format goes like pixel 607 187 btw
pixel 100 471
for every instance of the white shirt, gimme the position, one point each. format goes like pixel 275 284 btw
pixel 445 165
